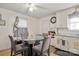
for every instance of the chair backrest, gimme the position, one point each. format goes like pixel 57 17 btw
pixel 21 32
pixel 46 43
pixel 13 45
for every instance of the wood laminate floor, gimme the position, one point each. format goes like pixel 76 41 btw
pixel 7 52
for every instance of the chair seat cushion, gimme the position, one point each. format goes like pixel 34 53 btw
pixel 38 47
pixel 21 48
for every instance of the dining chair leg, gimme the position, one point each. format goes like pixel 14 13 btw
pixel 11 52
pixel 25 53
pixel 48 52
pixel 14 53
pixel 41 53
pixel 22 53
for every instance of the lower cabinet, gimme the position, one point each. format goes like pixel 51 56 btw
pixel 74 45
pixel 55 42
pixel 66 43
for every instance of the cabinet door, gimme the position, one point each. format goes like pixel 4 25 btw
pixel 59 19
pixel 74 45
pixel 56 42
pixel 53 42
pixel 64 20
pixel 64 43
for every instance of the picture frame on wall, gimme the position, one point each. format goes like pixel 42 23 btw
pixel 2 22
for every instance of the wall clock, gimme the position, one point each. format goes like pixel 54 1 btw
pixel 53 20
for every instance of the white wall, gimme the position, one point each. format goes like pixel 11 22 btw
pixel 61 23
pixel 35 25
pixel 9 17
pixel 45 24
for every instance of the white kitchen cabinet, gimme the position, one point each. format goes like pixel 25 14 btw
pixel 70 44
pixel 62 19
pixel 59 19
pixel 55 42
pixel 74 45
pixel 64 43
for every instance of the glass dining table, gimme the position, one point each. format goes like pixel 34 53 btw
pixel 31 42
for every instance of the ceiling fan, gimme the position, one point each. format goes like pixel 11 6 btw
pixel 33 6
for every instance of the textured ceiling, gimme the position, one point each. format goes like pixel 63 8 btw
pixel 44 10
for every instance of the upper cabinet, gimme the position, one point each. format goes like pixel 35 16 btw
pixel 62 17
pixel 59 19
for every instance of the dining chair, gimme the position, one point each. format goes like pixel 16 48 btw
pixel 44 47
pixel 38 36
pixel 17 49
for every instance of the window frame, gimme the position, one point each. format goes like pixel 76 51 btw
pixel 22 19
pixel 75 31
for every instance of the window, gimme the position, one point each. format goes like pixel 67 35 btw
pixel 73 22
pixel 21 30
pixel 22 23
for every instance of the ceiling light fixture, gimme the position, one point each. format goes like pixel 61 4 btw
pixel 31 7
